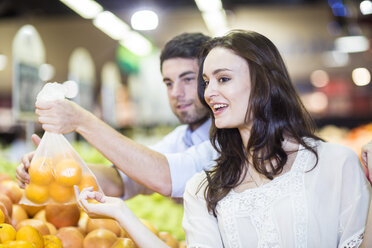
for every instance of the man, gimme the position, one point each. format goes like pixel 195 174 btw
pixel 179 68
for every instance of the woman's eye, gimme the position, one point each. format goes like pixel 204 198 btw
pixel 223 79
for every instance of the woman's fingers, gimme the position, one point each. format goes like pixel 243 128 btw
pixel 85 195
pixel 100 197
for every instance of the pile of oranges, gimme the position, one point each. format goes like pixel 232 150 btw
pixel 53 180
pixel 26 237
pixel 55 225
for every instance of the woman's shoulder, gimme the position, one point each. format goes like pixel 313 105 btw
pixel 197 184
pixel 338 158
pixel 338 150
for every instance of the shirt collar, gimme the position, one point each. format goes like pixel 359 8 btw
pixel 197 136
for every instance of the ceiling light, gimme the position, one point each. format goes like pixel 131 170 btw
pixel 208 5
pixel 213 15
pixel 352 44
pixel 361 76
pixel 86 8
pixel 144 20
pixel 111 25
pixel 366 7
pixel 216 22
pixel 319 78
pixel 315 102
pixel 136 43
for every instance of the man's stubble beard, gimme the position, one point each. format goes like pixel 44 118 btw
pixel 197 117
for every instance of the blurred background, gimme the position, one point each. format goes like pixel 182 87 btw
pixel 108 51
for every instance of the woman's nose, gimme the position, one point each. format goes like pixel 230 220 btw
pixel 210 90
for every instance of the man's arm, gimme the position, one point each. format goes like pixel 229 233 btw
pixel 142 164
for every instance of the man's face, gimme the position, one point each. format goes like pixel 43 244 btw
pixel 180 76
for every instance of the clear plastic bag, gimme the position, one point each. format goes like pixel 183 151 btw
pixel 55 168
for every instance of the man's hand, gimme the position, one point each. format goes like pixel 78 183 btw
pixel 367 159
pixel 60 116
pixel 22 169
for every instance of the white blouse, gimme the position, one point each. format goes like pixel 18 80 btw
pixel 323 207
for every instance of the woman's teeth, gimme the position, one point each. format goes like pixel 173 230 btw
pixel 218 106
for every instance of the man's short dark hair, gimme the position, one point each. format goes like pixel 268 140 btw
pixel 186 45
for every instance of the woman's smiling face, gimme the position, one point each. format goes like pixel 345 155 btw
pixel 228 86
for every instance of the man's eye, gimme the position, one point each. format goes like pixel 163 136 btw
pixel 168 84
pixel 188 79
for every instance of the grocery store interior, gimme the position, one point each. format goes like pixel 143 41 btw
pixel 110 50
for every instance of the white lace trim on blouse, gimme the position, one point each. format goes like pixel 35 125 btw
pixel 354 241
pixel 256 203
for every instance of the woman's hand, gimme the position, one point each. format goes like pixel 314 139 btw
pixel 105 206
pixel 367 159
pixel 115 208
pixel 60 116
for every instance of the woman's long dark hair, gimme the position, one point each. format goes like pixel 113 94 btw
pixel 274 107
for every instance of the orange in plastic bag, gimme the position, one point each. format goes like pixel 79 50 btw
pixel 54 170
pixel 67 172
pixel 40 171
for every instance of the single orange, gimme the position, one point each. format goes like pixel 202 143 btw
pixel 63 155
pixel 7 233
pixel 18 214
pixel 60 193
pixel 68 172
pixel 2 217
pixel 37 193
pixel 51 227
pixel 30 234
pixel 124 243
pixel 40 171
pixel 168 239
pixel 88 181
pixel 20 244
pixel 52 241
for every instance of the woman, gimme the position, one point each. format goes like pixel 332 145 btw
pixel 275 184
